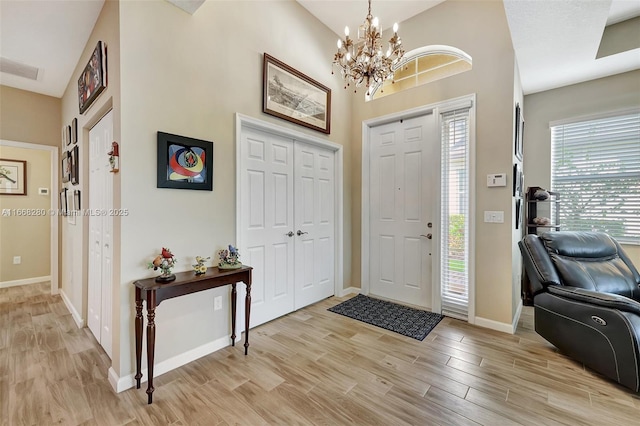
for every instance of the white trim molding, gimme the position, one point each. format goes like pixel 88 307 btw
pixel 120 384
pixel 24 281
pixel 74 313
pixel 254 123
pixel 436 109
pixel 53 206
pixel 501 326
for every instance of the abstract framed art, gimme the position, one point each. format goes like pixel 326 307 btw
pixel 184 163
pixel 93 79
pixel 291 95
pixel 13 177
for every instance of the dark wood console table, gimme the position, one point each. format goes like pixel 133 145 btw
pixel 185 283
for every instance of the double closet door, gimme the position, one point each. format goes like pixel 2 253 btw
pixel 287 224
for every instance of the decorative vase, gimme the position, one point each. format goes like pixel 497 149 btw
pixel 230 265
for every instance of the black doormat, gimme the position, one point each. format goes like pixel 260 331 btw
pixel 391 316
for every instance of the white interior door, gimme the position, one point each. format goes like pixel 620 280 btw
pixel 99 289
pixel 286 186
pixel 266 181
pixel 314 218
pixel 403 161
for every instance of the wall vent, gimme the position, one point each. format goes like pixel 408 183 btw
pixel 16 68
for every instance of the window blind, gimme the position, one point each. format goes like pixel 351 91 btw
pixel 596 170
pixel 454 239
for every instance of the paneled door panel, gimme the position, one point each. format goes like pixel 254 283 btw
pixel 266 180
pixel 100 272
pixel 403 157
pixel 314 218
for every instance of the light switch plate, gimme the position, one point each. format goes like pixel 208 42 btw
pixel 494 216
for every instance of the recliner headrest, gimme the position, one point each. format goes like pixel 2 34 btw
pixel 580 244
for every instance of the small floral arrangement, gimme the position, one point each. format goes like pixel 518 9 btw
pixel 164 261
pixel 200 267
pixel 229 258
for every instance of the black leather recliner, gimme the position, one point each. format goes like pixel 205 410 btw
pixel 586 300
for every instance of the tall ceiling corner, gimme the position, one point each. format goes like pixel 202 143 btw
pixel 189 6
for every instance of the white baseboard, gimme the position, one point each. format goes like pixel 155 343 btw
pixel 74 314
pixel 25 281
pixel 516 317
pixel 349 290
pixel 494 325
pixel 120 384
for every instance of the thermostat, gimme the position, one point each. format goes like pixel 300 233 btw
pixel 497 179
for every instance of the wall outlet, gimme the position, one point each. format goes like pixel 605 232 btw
pixel 217 303
pixel 17 260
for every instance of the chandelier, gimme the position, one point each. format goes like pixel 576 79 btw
pixel 363 62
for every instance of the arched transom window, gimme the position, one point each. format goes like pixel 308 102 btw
pixel 422 66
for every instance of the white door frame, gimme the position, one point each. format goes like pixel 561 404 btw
pixel 53 206
pixel 436 109
pixel 246 121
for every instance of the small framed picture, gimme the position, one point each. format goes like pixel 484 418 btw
pixel 13 177
pixel 63 202
pixel 74 131
pixel 73 165
pixel 64 138
pixel 519 125
pixel 68 136
pixel 66 167
pixel 518 181
pixel 71 212
pixel 76 200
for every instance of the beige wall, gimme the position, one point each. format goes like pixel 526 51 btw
pixel 483 34
pixel 29 117
pixel 27 236
pixel 189 75
pixel 74 237
pixel 613 93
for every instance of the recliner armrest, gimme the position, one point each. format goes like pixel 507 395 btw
pixel 537 262
pixel 605 300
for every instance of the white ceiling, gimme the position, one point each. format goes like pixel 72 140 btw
pixel 555 40
pixel 49 35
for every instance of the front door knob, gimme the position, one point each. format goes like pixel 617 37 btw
pixel 429 236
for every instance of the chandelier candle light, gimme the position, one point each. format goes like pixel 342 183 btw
pixel 364 61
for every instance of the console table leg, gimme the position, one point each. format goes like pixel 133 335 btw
pixel 247 312
pixel 151 340
pixel 233 314
pixel 138 327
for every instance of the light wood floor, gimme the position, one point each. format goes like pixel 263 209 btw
pixel 310 367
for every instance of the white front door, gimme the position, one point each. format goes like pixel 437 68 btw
pixel 267 219
pixel 99 289
pixel 403 161
pixel 314 218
